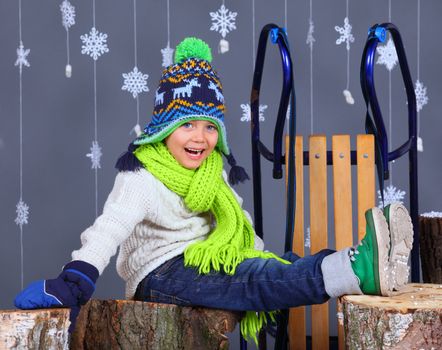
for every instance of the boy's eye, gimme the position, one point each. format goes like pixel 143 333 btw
pixel 187 125
pixel 212 127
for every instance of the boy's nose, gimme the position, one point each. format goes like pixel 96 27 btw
pixel 198 134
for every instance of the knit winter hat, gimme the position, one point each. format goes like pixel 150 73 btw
pixel 189 89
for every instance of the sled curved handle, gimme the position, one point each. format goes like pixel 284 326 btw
pixel 375 125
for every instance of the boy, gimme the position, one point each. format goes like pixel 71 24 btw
pixel 182 233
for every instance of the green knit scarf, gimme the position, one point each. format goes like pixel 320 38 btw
pixel 204 189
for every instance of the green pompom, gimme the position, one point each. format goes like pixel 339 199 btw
pixel 192 48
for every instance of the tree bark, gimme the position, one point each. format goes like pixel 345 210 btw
pixel 430 231
pixel 410 319
pixel 118 324
pixel 34 329
pixel 123 324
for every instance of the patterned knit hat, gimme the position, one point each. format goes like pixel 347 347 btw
pixel 189 89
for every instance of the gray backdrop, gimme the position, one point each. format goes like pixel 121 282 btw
pixel 58 112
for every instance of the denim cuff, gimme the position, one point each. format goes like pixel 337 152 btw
pixel 339 278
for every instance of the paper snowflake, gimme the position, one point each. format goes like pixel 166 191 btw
pixel 223 21
pixel 307 242
pixel 391 195
pixel 247 112
pixel 94 43
pixel 95 155
pixel 22 55
pixel 22 210
pixel 387 55
pixel 67 14
pixel 420 91
pixel 420 144
pixel 346 35
pixel 167 54
pixel 135 82
pixel 310 39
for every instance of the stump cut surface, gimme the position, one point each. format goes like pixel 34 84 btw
pixel 409 319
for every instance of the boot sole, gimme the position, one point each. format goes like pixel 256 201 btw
pixel 383 245
pixel 401 231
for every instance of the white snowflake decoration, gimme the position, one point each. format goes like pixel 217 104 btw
pixel 310 39
pixel 22 210
pixel 387 55
pixel 94 43
pixel 67 14
pixel 307 242
pixel 167 54
pixel 95 155
pixel 135 82
pixel 420 91
pixel 247 112
pixel 346 35
pixel 432 214
pixel 223 21
pixel 391 195
pixel 420 144
pixel 22 55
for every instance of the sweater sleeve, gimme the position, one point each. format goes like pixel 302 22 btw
pixel 259 243
pixel 126 206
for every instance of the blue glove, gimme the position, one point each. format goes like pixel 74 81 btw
pixel 72 288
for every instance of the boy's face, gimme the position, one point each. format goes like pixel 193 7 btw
pixel 192 142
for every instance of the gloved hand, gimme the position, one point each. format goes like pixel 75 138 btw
pixel 72 288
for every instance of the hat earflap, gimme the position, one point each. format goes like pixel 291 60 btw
pixel 237 173
pixel 128 161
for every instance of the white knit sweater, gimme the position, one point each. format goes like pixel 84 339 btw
pixel 150 223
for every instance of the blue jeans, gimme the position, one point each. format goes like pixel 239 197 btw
pixel 258 284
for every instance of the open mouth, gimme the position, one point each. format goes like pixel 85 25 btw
pixel 194 151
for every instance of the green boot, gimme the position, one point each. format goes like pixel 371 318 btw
pixel 401 232
pixel 369 259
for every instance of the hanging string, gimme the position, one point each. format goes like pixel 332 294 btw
pixel 420 89
pixel 94 45
pixel 135 48
pixel 348 56
pixel 246 107
pixel 418 57
pixel 135 81
pixel 346 37
pixel 168 24
pixel 253 34
pixel 68 20
pixel 310 41
pixel 390 106
pixel 167 52
pixel 285 14
pixel 288 107
pixel 68 54
pixel 95 117
pixel 21 148
pixel 22 209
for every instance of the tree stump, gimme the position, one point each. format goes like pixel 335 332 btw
pixel 34 329
pixel 410 319
pixel 430 233
pixel 118 324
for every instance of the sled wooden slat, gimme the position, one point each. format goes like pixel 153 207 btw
pixel 318 230
pixel 342 200
pixel 343 223
pixel 296 331
pixel 366 179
